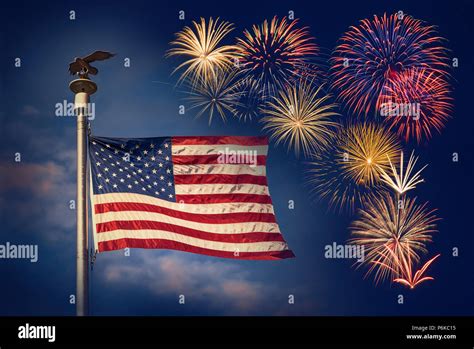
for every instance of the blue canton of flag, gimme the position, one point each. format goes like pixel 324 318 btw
pixel 142 165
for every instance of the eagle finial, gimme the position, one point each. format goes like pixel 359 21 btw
pixel 81 66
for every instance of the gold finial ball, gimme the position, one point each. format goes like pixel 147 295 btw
pixel 83 85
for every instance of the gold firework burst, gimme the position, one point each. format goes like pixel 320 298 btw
pixel 327 178
pixel 367 149
pixel 394 234
pixel 216 94
pixel 201 46
pixel 402 181
pixel 301 117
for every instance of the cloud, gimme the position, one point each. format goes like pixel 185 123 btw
pixel 223 286
pixel 37 196
pixel 36 191
pixel 35 179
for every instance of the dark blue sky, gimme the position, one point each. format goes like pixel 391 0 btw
pixel 141 101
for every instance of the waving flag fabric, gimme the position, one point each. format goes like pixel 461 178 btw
pixel 205 195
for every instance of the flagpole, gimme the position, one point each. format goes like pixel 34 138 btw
pixel 82 88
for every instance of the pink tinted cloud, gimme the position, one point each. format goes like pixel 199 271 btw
pixel 38 179
pixel 38 195
pixel 219 283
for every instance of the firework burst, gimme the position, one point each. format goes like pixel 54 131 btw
pixel 403 179
pixel 373 54
pixel 394 234
pixel 328 180
pixel 200 45
pixel 367 149
pixel 412 280
pixel 276 53
pixel 216 94
pixel 416 103
pixel 250 102
pixel 348 173
pixel 301 117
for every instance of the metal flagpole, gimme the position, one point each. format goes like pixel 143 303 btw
pixel 82 88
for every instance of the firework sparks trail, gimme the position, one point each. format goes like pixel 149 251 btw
pixel 412 280
pixel 403 180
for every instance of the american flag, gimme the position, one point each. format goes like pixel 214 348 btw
pixel 205 195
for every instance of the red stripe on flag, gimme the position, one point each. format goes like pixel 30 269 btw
pixel 236 140
pixel 218 218
pixel 199 234
pixel 222 198
pixel 214 159
pixel 174 245
pixel 220 179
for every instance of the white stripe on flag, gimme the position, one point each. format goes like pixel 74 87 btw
pixel 217 149
pixel 188 189
pixel 219 228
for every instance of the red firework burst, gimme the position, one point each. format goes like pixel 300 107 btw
pixel 376 51
pixel 415 103
pixel 275 53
